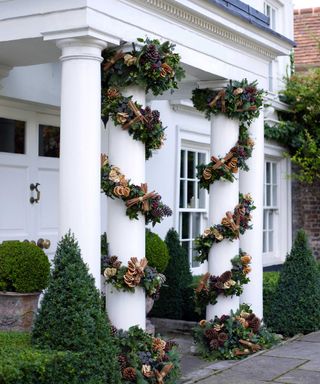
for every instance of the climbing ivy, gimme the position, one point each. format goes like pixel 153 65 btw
pixel 299 128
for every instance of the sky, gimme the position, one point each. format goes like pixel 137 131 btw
pixel 306 3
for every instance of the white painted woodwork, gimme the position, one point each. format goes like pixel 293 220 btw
pixel 126 237
pixel 251 241
pixel 223 197
pixel 80 146
pixel 19 219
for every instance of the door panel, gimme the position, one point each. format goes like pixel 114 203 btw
pixel 48 212
pixel 14 202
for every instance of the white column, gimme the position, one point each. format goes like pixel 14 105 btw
pixel 223 197
pixel 80 146
pixel 126 237
pixel 251 241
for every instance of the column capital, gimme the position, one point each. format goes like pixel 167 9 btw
pixel 81 48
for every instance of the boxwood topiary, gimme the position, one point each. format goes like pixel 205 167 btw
pixel 24 267
pixel 156 251
pixel 296 305
pixel 71 319
pixel 176 296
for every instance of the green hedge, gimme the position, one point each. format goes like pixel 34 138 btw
pixel 270 283
pixel 20 363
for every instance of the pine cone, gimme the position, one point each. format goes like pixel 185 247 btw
pixel 129 373
pixel 214 344
pixel 122 362
pixel 226 276
pixel 169 345
pixel 211 334
pixel 152 53
pixel 113 330
pixel 254 324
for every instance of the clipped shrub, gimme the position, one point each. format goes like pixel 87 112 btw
pixel 71 319
pixel 24 267
pixel 296 305
pixel 176 295
pixel 270 284
pixel 156 251
pixel 20 363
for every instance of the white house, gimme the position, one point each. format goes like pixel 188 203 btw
pixel 50 54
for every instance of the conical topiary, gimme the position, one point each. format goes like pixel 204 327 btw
pixel 71 319
pixel 296 304
pixel 176 294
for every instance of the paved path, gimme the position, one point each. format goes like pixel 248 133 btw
pixel 294 362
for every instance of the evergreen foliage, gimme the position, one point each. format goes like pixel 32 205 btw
pixel 176 296
pixel 298 129
pixel 296 304
pixel 270 283
pixel 71 319
pixel 20 363
pixel 156 251
pixel 24 267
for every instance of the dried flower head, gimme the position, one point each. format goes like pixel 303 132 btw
pixel 146 370
pixel 246 259
pixel 202 323
pixel 238 91
pixel 109 272
pixel 113 93
pixel 129 59
pixel 207 173
pixel 122 117
pixel 217 234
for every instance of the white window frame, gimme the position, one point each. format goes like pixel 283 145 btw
pixel 196 147
pixel 273 14
pixel 199 140
pixel 283 212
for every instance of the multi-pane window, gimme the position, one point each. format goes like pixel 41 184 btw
pixel 192 201
pixel 270 212
pixel 271 12
pixel 12 136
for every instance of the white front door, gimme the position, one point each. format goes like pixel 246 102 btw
pixel 29 175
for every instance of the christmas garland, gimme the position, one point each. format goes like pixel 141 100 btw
pixel 232 225
pixel 136 274
pixel 228 284
pixel 226 167
pixel 232 337
pixel 240 100
pixel 144 359
pixel 142 124
pixel 153 66
pixel 137 198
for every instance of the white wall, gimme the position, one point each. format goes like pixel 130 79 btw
pixel 36 83
pixel 162 170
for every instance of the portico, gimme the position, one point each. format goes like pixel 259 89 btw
pixel 213 44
